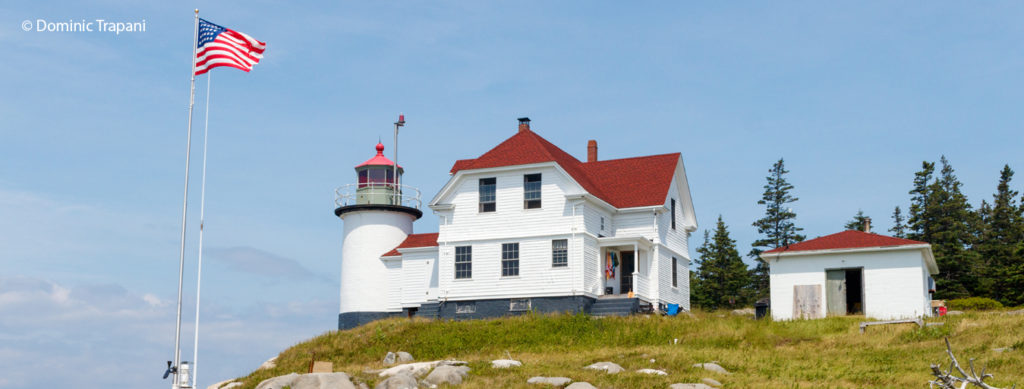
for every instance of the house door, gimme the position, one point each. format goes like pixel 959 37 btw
pixel 626 272
pixel 835 291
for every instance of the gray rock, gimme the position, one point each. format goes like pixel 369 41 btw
pixel 1017 312
pixel 954 313
pixel 226 384
pixel 323 381
pixel 416 369
pixel 404 357
pixel 505 363
pixel 609 367
pixel 398 381
pixel 581 385
pixel 277 382
pixel 309 381
pixel 743 312
pixel 711 367
pixel 451 375
pixel 554 381
pixel 652 371
pixel 269 364
pixel 1002 349
pixel 389 359
pixel 711 382
pixel 689 386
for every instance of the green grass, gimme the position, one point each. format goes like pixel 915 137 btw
pixel 797 354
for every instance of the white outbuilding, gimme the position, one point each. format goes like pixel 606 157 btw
pixel 851 273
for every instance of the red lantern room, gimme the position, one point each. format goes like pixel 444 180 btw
pixel 378 171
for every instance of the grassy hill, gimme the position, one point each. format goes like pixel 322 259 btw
pixel 799 354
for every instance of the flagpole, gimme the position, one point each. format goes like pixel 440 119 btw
pixel 202 218
pixel 184 206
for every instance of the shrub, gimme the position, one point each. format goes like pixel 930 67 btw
pixel 974 303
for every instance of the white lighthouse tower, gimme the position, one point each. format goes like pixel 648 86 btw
pixel 378 214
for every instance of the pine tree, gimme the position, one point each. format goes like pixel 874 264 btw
pixel 898 227
pixel 916 224
pixel 860 220
pixel 723 277
pixel 1001 243
pixel 945 222
pixel 776 227
pixel 698 295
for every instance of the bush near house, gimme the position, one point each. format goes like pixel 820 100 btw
pixel 760 353
pixel 973 304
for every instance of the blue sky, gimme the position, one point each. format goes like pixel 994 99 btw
pixel 853 95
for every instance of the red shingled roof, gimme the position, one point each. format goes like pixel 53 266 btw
pixel 848 239
pixel 613 181
pixel 414 240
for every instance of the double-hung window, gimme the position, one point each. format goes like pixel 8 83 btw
pixel 560 253
pixel 531 191
pixel 463 262
pixel 488 186
pixel 509 259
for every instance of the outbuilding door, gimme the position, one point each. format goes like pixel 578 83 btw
pixel 835 291
pixel 844 291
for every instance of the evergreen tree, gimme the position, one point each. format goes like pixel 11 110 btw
pixel 698 296
pixel 898 227
pixel 858 222
pixel 1001 243
pixel 723 277
pixel 776 227
pixel 916 223
pixel 945 220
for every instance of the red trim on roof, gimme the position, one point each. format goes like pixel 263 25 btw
pixel 414 240
pixel 614 181
pixel 849 239
pixel 379 159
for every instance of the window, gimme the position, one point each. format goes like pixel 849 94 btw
pixel 675 272
pixel 531 191
pixel 509 259
pixel 602 223
pixel 519 305
pixel 487 197
pixel 465 308
pixel 463 262
pixel 673 214
pixel 560 253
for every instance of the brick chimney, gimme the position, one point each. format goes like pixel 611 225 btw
pixel 591 150
pixel 867 224
pixel 524 124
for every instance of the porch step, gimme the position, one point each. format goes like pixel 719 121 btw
pixel 615 307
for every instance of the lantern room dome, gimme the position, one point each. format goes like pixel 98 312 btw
pixel 379 159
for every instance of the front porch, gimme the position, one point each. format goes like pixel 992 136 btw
pixel 625 269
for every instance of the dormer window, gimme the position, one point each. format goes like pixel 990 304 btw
pixel 531 191
pixel 487 194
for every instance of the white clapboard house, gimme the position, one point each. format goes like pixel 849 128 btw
pixel 523 227
pixel 852 272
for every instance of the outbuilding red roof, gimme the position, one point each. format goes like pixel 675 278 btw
pixel 614 181
pixel 848 239
pixel 414 240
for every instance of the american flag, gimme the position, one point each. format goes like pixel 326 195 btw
pixel 219 46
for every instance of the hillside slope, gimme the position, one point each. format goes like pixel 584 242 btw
pixel 812 353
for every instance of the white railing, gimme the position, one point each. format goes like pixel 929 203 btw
pixel 377 193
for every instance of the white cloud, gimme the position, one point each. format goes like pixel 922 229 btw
pixel 54 335
pixel 255 261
